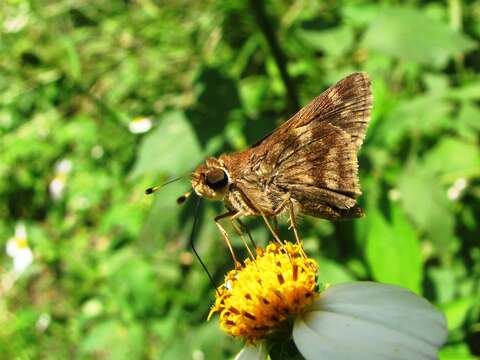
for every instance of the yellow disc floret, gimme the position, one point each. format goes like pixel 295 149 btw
pixel 265 294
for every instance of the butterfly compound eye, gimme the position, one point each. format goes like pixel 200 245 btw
pixel 216 179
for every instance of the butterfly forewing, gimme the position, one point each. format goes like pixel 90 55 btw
pixel 311 158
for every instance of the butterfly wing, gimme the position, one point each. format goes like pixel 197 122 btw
pixel 313 156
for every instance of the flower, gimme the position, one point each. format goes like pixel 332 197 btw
pixel 259 299
pixel 21 17
pixel 140 125
pixel 264 302
pixel 43 322
pixel 251 352
pixel 97 152
pixel 457 189
pixel 58 183
pixel 17 248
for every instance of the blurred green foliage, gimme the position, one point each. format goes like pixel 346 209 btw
pixel 112 276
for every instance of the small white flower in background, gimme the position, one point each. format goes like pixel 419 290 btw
pixel 17 248
pixel 394 194
pixel 92 308
pixel 64 166
pixel 97 152
pixel 80 203
pixel 43 322
pixel 16 23
pixel 140 125
pixel 198 355
pixel 456 190
pixel 58 183
pixel 57 187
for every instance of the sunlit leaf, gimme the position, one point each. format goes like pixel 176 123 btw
pixel 334 42
pixel 444 283
pixel 332 272
pixel 425 201
pixel 420 115
pixel 114 340
pixel 171 148
pixel 457 310
pixel 457 352
pixel 408 34
pixel 393 250
pixel 454 157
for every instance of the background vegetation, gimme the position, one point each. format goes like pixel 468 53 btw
pixel 112 276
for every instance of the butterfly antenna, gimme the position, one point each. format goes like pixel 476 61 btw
pixel 181 200
pixel 191 242
pixel 152 189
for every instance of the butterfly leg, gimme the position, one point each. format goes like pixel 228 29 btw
pixel 276 212
pixel 275 223
pixel 239 232
pixel 293 222
pixel 269 226
pixel 217 219
pixel 293 225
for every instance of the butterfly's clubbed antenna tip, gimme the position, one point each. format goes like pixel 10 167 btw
pixel 181 199
pixel 151 190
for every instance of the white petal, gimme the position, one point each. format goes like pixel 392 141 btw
pixel 64 166
pixel 140 125
pixel 22 260
pixel 56 187
pixel 367 320
pixel 43 321
pixel 20 231
pixel 389 305
pixel 253 352
pixel 12 247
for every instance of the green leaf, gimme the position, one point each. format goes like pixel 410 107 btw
pixel 163 218
pixel 444 282
pixel 457 310
pixel 334 41
pixel 131 283
pixel 393 250
pixel 171 148
pixel 457 352
pixel 408 34
pixel 454 157
pixel 114 341
pixel 425 114
pixel 465 92
pixel 467 123
pixel 73 61
pixel 332 272
pixel 253 91
pixel 426 203
pixel 359 14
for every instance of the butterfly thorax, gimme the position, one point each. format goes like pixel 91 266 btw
pixel 251 190
pixel 240 183
pixel 236 201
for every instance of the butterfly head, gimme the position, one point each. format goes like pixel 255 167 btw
pixel 211 180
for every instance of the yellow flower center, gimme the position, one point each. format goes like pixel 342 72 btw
pixel 265 294
pixel 21 242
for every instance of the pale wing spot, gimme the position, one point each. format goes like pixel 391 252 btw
pixel 334 96
pixel 303 133
pixel 331 160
